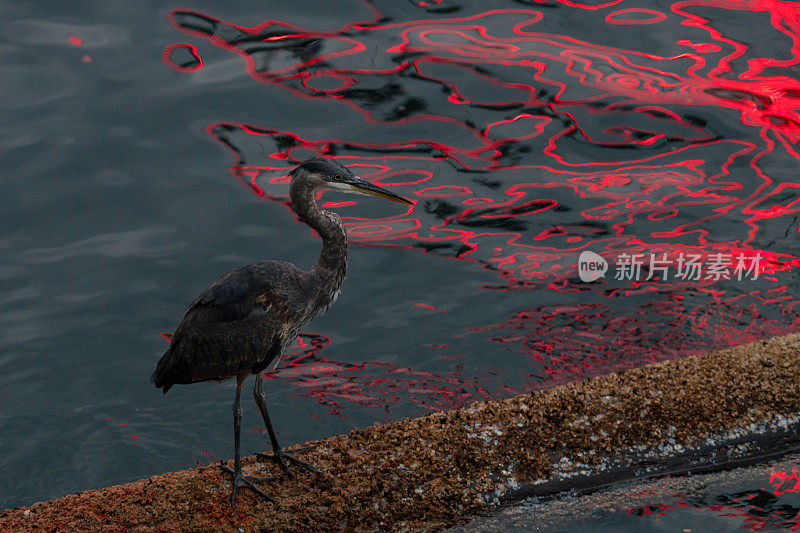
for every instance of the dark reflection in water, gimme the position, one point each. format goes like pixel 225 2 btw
pixel 756 510
pixel 529 133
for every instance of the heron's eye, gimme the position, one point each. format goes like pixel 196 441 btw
pixel 337 177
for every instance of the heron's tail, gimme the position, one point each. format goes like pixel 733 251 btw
pixel 160 375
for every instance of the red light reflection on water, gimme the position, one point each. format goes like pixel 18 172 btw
pixel 192 62
pixel 370 384
pixel 529 146
pixel 758 510
pixel 783 482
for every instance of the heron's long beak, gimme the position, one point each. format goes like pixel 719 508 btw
pixel 360 186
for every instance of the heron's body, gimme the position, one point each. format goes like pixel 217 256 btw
pixel 242 323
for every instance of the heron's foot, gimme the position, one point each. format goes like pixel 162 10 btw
pixel 240 480
pixel 282 457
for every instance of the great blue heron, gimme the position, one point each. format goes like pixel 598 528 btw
pixel 242 323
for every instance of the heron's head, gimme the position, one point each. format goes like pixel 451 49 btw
pixel 324 173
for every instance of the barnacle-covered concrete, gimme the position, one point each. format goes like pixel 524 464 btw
pixel 700 413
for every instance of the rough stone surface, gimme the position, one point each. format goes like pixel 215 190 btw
pixel 431 472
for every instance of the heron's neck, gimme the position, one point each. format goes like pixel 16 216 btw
pixel 332 262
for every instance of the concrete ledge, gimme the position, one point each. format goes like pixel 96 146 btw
pixel 700 413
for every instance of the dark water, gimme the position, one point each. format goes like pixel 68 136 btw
pixel 144 150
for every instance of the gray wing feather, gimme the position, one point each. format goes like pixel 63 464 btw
pixel 239 324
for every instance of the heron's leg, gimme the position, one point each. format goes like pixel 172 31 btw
pixel 277 455
pixel 239 479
